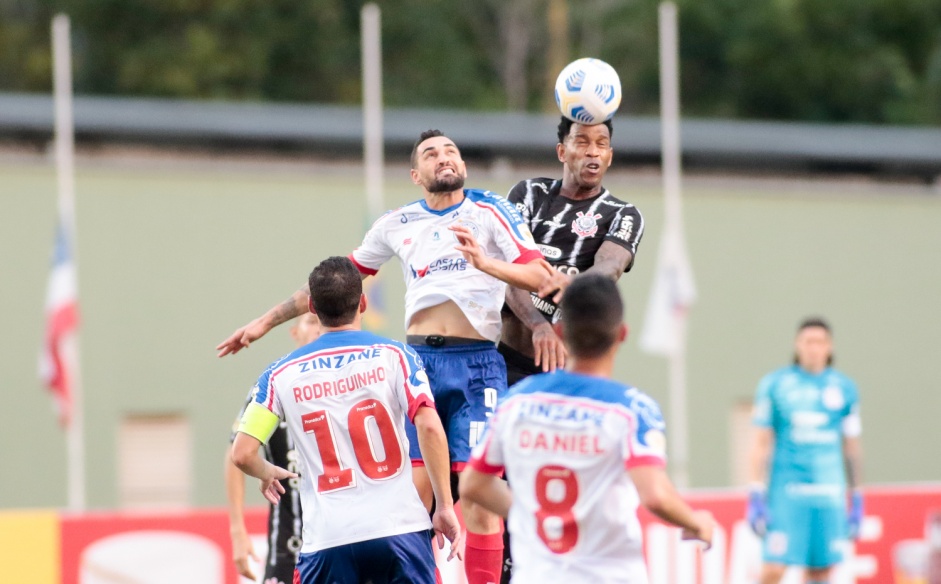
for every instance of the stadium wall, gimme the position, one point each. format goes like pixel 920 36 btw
pixel 173 257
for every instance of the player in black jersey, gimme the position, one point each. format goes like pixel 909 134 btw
pixel 284 519
pixel 579 227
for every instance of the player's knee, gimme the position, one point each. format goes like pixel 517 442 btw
pixel 772 573
pixel 818 575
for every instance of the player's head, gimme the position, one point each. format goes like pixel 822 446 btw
pixel 585 152
pixel 813 346
pixel 336 292
pixel 305 329
pixel 436 163
pixel 592 321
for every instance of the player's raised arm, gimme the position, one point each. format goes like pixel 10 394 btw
pixel 243 336
pixel 659 496
pixel 532 275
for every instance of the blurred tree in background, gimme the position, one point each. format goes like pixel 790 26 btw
pixel 873 61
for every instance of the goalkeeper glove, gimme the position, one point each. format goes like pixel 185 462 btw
pixel 856 514
pixel 757 513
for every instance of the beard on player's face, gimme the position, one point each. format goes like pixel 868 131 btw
pixel 445 184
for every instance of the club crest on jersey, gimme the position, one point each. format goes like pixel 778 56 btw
pixel 585 225
pixel 833 398
pixel 472 226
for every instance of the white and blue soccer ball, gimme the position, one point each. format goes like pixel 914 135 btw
pixel 588 91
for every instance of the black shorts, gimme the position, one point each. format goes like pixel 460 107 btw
pixel 518 365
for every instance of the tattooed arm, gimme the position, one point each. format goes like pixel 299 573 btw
pixel 295 305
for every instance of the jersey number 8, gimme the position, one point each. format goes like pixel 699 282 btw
pixel 334 476
pixel 555 521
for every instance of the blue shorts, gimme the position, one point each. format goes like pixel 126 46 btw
pixel 466 381
pixel 397 559
pixel 804 533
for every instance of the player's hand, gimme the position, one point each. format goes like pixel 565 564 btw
pixel 555 283
pixel 549 350
pixel 242 549
pixel 757 512
pixel 856 514
pixel 468 246
pixel 446 525
pixel 271 486
pixel 243 337
pixel 706 526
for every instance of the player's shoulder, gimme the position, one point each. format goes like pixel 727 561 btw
pixel 780 377
pixel 838 378
pixel 624 207
pixel 398 215
pixel 644 407
pixel 536 187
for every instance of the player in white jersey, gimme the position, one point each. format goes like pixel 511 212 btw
pixel 345 398
pixel 580 452
pixel 453 307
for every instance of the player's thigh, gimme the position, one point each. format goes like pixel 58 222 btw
pixel 486 384
pixel 828 536
pixel 336 564
pixel 788 538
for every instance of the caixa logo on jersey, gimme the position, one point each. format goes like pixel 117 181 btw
pixel 440 265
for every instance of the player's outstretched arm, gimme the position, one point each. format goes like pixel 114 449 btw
pixel 549 351
pixel 294 306
pixel 245 456
pixel 434 451
pixel 487 490
pixel 242 547
pixel 659 496
pixel 529 276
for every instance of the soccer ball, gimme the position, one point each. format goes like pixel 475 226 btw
pixel 588 91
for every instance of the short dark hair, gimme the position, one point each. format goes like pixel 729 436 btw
pixel 421 138
pixel 815 322
pixel 335 289
pixel 565 126
pixel 592 312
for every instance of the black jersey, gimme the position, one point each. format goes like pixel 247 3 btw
pixel 284 519
pixel 570 232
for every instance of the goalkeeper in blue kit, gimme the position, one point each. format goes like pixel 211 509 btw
pixel 805 456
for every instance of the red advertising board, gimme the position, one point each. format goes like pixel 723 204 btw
pixel 193 546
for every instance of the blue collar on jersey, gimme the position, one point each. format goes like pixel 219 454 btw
pixel 443 211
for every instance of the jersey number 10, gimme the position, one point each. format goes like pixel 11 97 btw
pixel 335 476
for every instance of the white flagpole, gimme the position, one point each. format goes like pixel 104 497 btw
pixel 673 233
pixel 65 173
pixel 372 109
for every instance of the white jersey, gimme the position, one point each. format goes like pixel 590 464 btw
pixel 434 271
pixel 566 442
pixel 345 397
